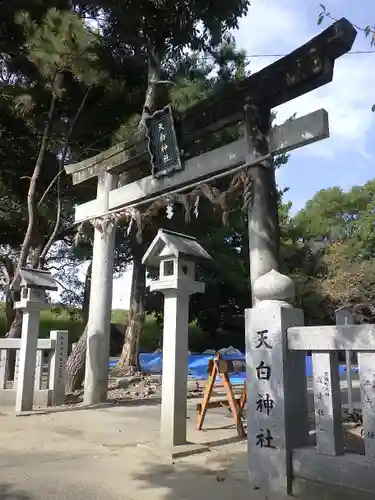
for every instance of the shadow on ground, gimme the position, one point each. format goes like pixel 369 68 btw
pixel 216 475
pixel 7 492
pixel 79 406
pixel 223 475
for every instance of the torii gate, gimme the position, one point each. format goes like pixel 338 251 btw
pixel 307 68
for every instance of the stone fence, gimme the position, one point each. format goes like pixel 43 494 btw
pixel 283 449
pixel 329 460
pixel 49 385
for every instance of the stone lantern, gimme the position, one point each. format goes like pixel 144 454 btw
pixel 32 285
pixel 175 255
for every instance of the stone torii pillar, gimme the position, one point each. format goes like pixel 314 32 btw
pixel 263 220
pixel 99 321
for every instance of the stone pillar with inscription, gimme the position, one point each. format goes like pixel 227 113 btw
pixel 3 368
pixel 57 366
pixel 366 365
pixel 16 369
pixel 345 317
pixel 276 385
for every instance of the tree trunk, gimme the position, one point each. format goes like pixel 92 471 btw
pixel 75 366
pixel 9 267
pixel 15 330
pixel 150 102
pixel 10 312
pixel 32 192
pixel 129 359
pixel 86 295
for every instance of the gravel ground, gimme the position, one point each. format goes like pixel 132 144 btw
pixel 136 386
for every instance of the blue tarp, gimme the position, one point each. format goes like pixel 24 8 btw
pixel 198 363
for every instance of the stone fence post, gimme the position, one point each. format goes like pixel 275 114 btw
pixel 276 385
pixel 3 368
pixel 57 366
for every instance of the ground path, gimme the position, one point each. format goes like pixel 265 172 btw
pixel 94 454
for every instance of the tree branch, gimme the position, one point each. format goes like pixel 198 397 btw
pixel 66 145
pixel 31 195
pixel 59 173
pixel 61 169
pixel 78 298
pixel 153 81
pixel 9 267
pixel 367 30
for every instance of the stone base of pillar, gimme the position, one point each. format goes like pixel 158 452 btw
pixel 183 450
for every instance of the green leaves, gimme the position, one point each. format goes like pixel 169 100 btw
pixel 343 224
pixel 170 26
pixel 61 43
pixel 321 18
pixel 323 14
pixel 335 215
pixel 370 31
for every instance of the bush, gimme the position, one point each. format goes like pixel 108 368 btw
pixel 63 319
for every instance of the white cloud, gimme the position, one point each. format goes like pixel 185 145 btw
pixel 274 27
pixel 271 27
pixel 348 100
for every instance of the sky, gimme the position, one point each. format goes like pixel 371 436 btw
pixel 347 157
